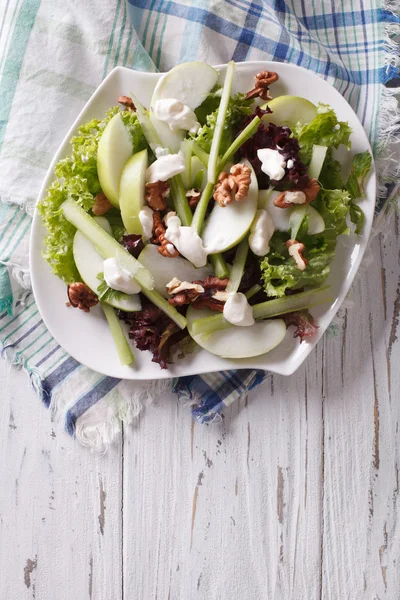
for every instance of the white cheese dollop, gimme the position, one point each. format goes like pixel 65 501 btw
pixel 165 167
pixel 238 311
pixel 176 114
pixel 146 221
pixel 186 240
pixel 297 197
pixel 273 163
pixel 118 278
pixel 261 231
pixel 290 164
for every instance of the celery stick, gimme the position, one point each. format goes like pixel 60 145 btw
pixel 164 305
pixel 220 266
pixel 124 350
pixel 180 201
pixel 108 247
pixel 219 127
pixel 149 132
pixel 186 149
pixel 317 160
pixel 268 309
pixel 239 141
pixel 200 153
pixel 201 208
pixel 237 270
pixel 253 291
pixel 198 180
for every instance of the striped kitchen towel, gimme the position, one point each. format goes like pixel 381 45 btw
pixel 54 54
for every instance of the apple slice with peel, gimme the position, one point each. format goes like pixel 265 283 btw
pixel 131 191
pixel 227 225
pixel 189 82
pixel 89 264
pixel 115 147
pixel 289 110
pixel 238 342
pixel 164 269
pixel 280 216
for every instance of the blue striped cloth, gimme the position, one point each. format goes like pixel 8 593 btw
pixel 53 56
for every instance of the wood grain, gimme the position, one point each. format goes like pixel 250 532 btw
pixel 293 496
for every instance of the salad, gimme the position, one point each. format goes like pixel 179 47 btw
pixel 206 219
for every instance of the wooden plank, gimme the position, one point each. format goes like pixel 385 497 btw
pixel 60 506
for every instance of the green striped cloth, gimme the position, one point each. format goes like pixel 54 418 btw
pixel 53 55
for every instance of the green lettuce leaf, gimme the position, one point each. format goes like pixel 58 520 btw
pixel 105 293
pixel 77 180
pixel 324 130
pixel 278 269
pixel 360 167
pixel 238 109
pixel 331 173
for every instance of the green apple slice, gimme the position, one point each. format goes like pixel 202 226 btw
pixel 89 264
pixel 238 342
pixel 164 269
pixel 227 225
pixel 280 216
pixel 289 110
pixel 316 223
pixel 189 82
pixel 115 147
pixel 131 191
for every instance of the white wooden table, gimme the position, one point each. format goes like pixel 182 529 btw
pixel 295 495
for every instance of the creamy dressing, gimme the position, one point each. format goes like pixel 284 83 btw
pixel 272 163
pixel 238 311
pixel 176 114
pixel 261 232
pixel 118 278
pixel 297 197
pixel 186 240
pixel 165 167
pixel 146 221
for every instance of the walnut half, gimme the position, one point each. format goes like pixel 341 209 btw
pixel 296 250
pixel 261 86
pixel 156 194
pixel 234 184
pixel 81 296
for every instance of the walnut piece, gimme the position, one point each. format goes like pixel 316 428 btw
pixel 211 286
pixel 234 184
pixel 156 194
pixel 193 196
pixel 128 102
pixel 101 205
pixel 175 286
pixel 296 250
pixel 304 196
pixel 165 247
pixel 81 296
pixel 261 87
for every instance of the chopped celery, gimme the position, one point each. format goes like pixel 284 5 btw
pixel 124 350
pixel 201 208
pixel 268 309
pixel 180 201
pixel 108 247
pixel 200 153
pixel 149 132
pixel 237 270
pixel 317 160
pixel 219 127
pixel 239 141
pixel 253 291
pixel 220 266
pixel 198 179
pixel 186 149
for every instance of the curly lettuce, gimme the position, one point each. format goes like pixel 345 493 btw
pixel 77 180
pixel 207 114
pixel 279 272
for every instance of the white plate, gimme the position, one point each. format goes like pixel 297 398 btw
pixel 87 337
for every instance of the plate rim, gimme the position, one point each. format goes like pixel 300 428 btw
pixel 292 366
